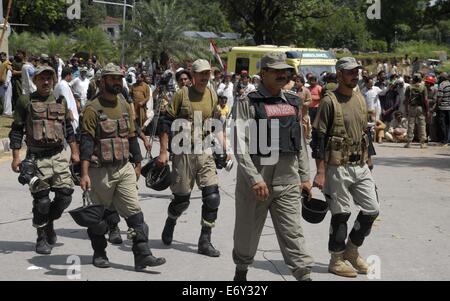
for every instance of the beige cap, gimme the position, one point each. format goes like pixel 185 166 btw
pixel 200 66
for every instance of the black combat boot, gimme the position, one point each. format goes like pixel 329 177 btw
pixel 240 276
pixel 114 235
pixel 204 244
pixel 167 234
pixel 99 243
pixel 51 234
pixel 143 257
pixel 42 246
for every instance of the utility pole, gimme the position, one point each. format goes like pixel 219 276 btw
pixel 123 30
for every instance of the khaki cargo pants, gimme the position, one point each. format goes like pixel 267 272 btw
pixel 350 183
pixel 415 113
pixel 284 206
pixel 188 169
pixel 54 171
pixel 114 186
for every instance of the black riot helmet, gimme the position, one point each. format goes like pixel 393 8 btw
pixel 89 215
pixel 156 178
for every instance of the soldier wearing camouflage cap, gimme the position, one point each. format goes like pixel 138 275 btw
pixel 189 166
pixel 108 139
pixel 417 108
pixel 46 123
pixel 340 147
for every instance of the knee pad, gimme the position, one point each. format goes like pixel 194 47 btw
pixel 139 229
pixel 179 204
pixel 100 229
pixel 338 232
pixel 135 220
pixel 111 217
pixel 211 197
pixel 362 228
pixel 63 198
pixel 42 202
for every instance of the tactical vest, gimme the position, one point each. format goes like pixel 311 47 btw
pixel 340 148
pixel 416 95
pixel 111 135
pixel 186 111
pixel 46 123
pixel 287 115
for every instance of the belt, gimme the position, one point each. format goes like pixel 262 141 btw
pixel 47 153
pixel 352 159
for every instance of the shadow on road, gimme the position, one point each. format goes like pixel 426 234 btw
pixel 278 267
pixel 416 162
pixel 9 247
pixel 58 265
pixel 176 245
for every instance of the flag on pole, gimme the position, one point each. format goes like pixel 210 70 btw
pixel 215 52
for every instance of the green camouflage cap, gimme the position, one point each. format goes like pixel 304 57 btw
pixel 275 60
pixel 43 68
pixel 111 69
pixel 347 63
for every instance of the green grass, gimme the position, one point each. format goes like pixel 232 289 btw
pixel 5 126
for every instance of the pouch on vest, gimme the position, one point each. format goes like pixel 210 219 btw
pixel 46 124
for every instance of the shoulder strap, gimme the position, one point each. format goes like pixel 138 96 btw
pixel 338 127
pixel 95 104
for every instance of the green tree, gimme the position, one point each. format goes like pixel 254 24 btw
pixel 95 42
pixel 40 15
pixel 346 28
pixel 57 44
pixel 262 18
pixel 51 15
pixel 399 19
pixel 206 15
pixel 25 41
pixel 158 28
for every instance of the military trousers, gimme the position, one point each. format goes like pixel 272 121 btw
pixel 349 184
pixel 114 186
pixel 416 114
pixel 188 169
pixel 285 210
pixel 54 171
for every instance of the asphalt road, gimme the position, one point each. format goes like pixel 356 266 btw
pixel 410 240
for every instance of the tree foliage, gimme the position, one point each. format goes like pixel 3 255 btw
pixel 263 18
pixel 51 15
pixel 157 30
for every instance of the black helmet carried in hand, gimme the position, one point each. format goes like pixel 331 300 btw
pixel 313 210
pixel 75 170
pixel 89 215
pixel 156 178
